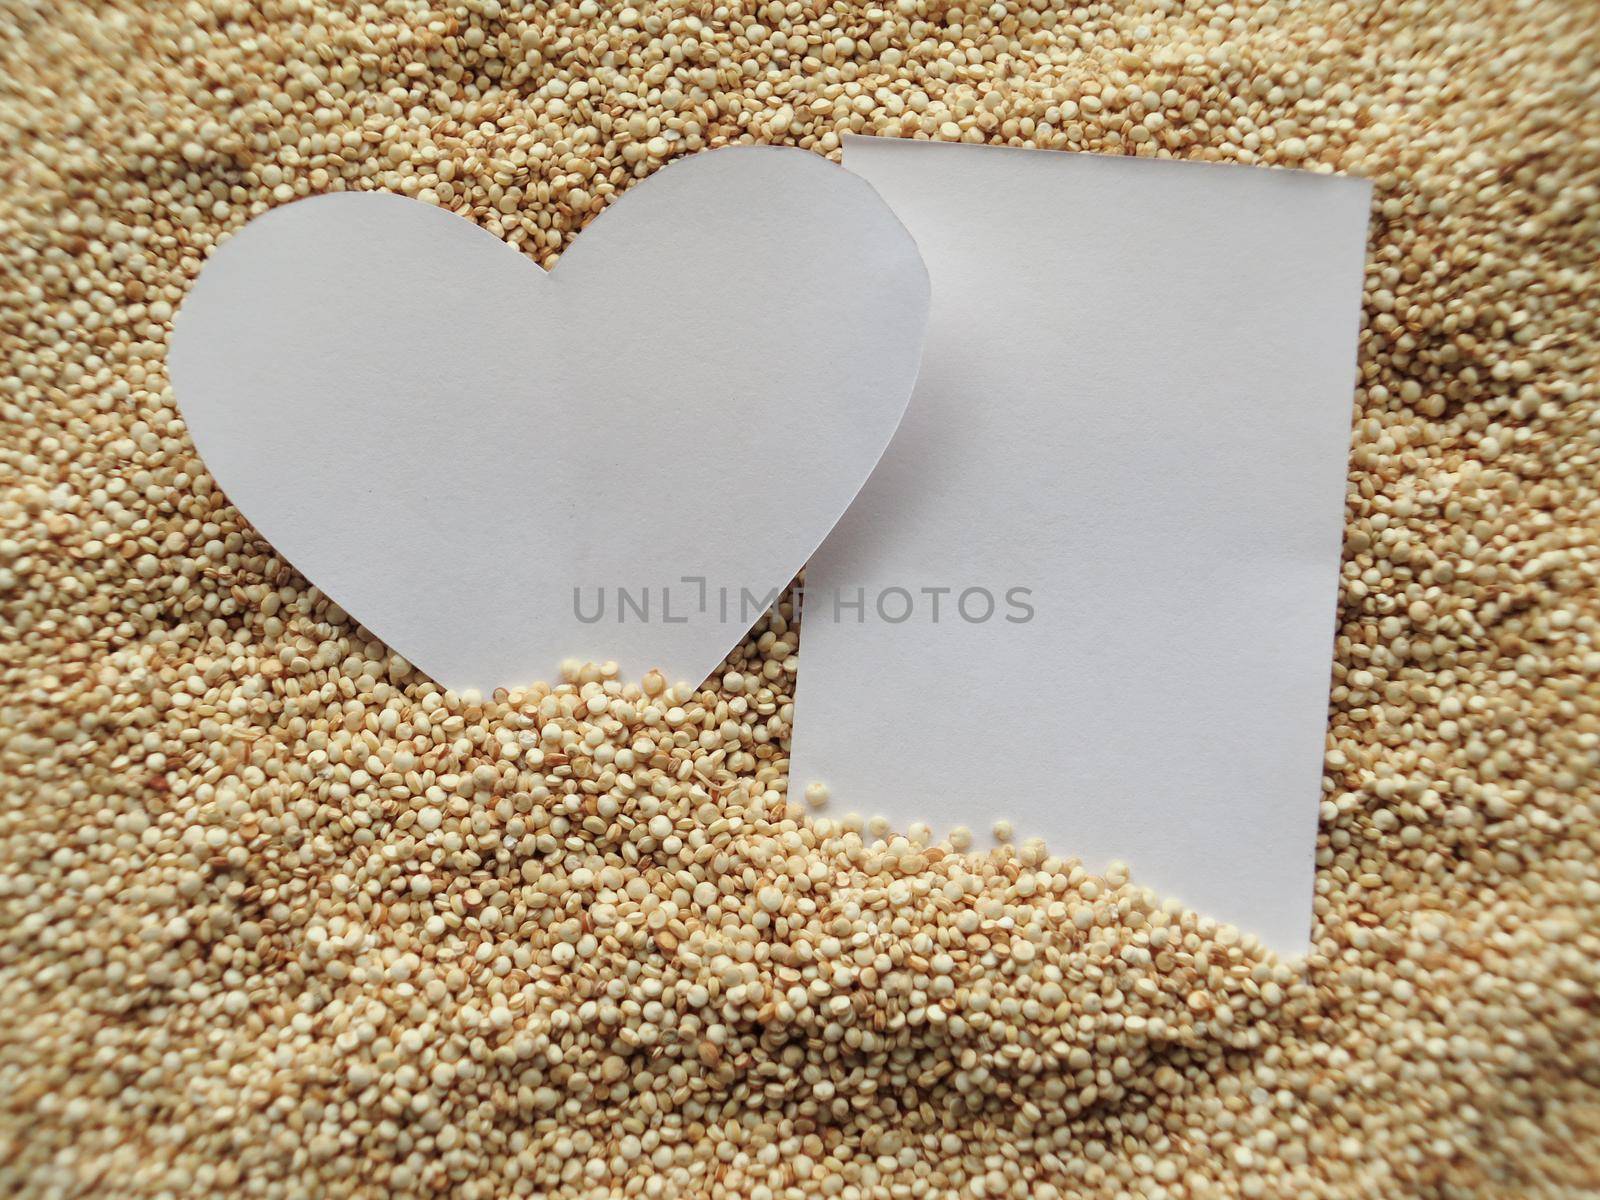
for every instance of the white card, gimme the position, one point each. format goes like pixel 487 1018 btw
pixel 495 469
pixel 1135 405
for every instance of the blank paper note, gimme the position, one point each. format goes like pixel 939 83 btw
pixel 1099 560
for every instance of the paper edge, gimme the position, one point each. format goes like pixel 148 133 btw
pixel 859 140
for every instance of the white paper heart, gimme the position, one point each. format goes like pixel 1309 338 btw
pixel 470 455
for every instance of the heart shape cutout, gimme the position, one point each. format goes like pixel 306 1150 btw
pixel 466 452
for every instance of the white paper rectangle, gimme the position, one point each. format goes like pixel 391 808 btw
pixel 1135 403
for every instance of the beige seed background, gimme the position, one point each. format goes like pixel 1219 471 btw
pixel 279 919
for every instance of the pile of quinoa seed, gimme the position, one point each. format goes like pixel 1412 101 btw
pixel 280 918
